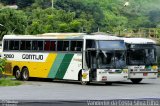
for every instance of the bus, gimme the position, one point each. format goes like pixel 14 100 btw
pixel 66 56
pixel 141 59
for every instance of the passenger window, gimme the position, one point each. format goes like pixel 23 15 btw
pixel 53 45
pixel 13 45
pixel 60 46
pixel 76 45
pixel 47 45
pixel 16 45
pixel 65 45
pixel 34 45
pixel 23 45
pixel 73 45
pixel 40 45
pixel 5 45
pixel 28 45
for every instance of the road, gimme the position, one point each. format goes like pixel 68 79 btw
pixel 59 90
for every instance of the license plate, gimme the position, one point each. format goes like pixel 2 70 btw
pixel 145 74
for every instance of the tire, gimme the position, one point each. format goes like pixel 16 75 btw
pixel 108 83
pixel 25 74
pixel 18 74
pixel 136 81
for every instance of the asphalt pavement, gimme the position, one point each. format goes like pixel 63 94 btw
pixel 64 90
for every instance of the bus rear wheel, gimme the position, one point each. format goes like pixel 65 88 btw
pixel 25 74
pixel 136 80
pixel 18 74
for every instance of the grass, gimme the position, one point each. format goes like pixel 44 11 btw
pixel 9 82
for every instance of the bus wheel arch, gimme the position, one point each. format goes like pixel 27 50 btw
pixel 25 73
pixel 17 72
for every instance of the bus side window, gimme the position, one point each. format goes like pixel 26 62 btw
pixel 73 45
pixel 22 45
pixel 60 46
pixel 76 45
pixel 90 44
pixel 53 45
pixel 16 45
pixel 34 45
pixel 79 45
pixel 11 45
pixel 40 45
pixel 28 45
pixel 47 45
pixel 5 45
pixel 65 45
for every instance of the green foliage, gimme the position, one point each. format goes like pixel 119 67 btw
pixel 2 65
pixel 13 21
pixel 37 16
pixel 9 82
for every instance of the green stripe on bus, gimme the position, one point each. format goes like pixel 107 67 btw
pixel 55 65
pixel 64 66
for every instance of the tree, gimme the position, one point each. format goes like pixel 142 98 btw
pixel 8 2
pixel 13 21
pixel 24 3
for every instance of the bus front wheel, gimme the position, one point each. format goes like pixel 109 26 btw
pixel 136 80
pixel 18 74
pixel 108 83
pixel 25 74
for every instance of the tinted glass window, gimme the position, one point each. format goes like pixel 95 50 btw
pixel 76 45
pixel 53 45
pixel 47 45
pixel 22 45
pixel 65 45
pixel 5 47
pixel 60 46
pixel 16 45
pixel 11 45
pixel 40 45
pixel 28 45
pixel 34 45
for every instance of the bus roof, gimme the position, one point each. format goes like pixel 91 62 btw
pixel 63 36
pixel 139 41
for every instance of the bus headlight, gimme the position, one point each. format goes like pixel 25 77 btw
pixel 125 70
pixel 154 67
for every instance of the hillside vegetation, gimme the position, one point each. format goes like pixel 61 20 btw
pixel 39 16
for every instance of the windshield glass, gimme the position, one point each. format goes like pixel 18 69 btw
pixel 112 45
pixel 142 56
pixel 111 59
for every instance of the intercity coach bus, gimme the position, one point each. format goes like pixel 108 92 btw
pixel 141 59
pixel 68 56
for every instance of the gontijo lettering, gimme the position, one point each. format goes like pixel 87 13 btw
pixel 32 57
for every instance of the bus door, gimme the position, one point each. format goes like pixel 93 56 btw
pixel 91 59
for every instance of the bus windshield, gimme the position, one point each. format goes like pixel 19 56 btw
pixel 111 59
pixel 112 45
pixel 142 56
pixel 109 54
